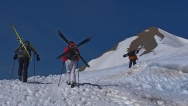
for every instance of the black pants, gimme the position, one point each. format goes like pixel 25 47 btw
pixel 23 64
pixel 133 61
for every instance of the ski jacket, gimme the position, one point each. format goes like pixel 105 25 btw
pixel 66 49
pixel 132 55
pixel 19 50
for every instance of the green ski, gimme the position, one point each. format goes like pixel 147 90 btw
pixel 20 40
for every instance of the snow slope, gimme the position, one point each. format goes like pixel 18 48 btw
pixel 154 82
pixel 159 78
pixel 165 46
pixel 111 58
pixel 173 40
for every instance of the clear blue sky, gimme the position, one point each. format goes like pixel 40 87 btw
pixel 107 21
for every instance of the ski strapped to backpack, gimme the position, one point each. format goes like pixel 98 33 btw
pixel 71 55
pixel 73 48
pixel 21 42
pixel 23 51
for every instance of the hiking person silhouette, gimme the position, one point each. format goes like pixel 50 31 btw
pixel 71 60
pixel 23 59
pixel 132 57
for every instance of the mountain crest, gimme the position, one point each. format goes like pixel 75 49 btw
pixel 153 43
pixel 146 40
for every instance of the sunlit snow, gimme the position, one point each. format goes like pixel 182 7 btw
pixel 156 80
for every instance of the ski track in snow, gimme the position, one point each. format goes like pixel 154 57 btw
pixel 155 82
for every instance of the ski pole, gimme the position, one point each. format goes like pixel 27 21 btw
pixel 78 72
pixel 12 69
pixel 61 74
pixel 34 68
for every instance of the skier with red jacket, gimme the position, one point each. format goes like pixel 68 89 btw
pixel 70 61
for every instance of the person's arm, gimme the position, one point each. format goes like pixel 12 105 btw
pixel 17 50
pixel 34 50
pixel 64 57
pixel 137 51
pixel 125 55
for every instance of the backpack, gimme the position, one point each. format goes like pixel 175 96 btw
pixel 131 53
pixel 23 51
pixel 71 55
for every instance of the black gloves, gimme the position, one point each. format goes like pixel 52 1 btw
pixel 38 58
pixel 137 51
pixel 15 56
pixel 125 55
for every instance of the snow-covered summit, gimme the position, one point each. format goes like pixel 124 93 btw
pixel 153 42
pixel 173 40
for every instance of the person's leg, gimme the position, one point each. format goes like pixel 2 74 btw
pixel 134 62
pixel 73 68
pixel 68 69
pixel 20 68
pixel 130 63
pixel 26 65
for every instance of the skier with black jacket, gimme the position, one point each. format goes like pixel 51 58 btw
pixel 23 60
pixel 132 57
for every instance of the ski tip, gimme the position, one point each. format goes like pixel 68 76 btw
pixel 90 37
pixel 59 31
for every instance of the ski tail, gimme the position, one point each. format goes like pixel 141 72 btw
pixel 83 60
pixel 84 41
pixel 64 39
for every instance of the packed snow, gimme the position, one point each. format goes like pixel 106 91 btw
pixel 159 81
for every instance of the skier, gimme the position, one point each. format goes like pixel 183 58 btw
pixel 71 60
pixel 24 59
pixel 132 57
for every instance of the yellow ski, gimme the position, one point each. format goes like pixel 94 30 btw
pixel 20 40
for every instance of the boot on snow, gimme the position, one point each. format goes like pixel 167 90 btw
pixel 20 78
pixel 68 83
pixel 73 85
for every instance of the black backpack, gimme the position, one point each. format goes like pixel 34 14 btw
pixel 22 50
pixel 131 53
pixel 71 55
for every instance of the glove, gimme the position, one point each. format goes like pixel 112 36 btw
pixel 137 51
pixel 125 55
pixel 15 56
pixel 38 58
